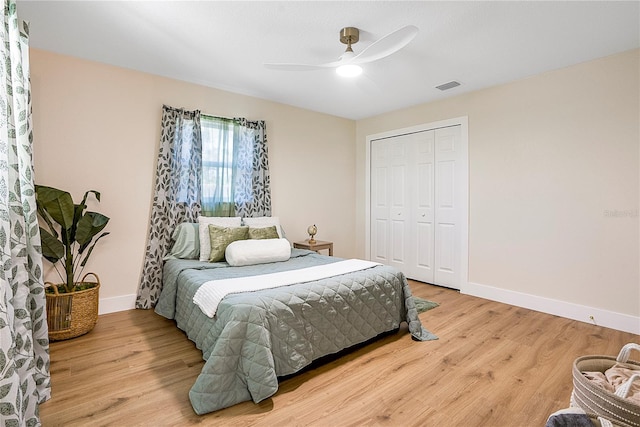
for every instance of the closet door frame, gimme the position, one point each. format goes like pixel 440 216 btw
pixel 464 188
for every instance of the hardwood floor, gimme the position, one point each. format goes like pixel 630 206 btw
pixel 494 365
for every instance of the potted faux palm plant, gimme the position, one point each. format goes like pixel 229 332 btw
pixel 68 240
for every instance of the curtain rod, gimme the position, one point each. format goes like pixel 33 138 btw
pixel 201 113
pixel 211 115
pixel 214 116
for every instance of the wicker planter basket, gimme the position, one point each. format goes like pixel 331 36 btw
pixel 70 315
pixel 596 400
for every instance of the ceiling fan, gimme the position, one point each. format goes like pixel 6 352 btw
pixel 349 63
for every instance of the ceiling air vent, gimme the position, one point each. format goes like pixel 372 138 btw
pixel 447 86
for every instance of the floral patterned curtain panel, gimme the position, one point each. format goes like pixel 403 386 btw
pixel 253 187
pixel 177 194
pixel 24 343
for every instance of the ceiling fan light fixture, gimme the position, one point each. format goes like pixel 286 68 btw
pixel 349 63
pixel 349 70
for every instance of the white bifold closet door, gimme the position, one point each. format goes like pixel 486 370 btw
pixel 415 209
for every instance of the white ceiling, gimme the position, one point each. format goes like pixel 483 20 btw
pixel 223 44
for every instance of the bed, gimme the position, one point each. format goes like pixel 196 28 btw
pixel 256 337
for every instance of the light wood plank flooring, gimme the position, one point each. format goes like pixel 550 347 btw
pixel 494 365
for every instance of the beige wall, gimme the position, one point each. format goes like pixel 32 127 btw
pixel 554 182
pixel 98 126
pixel 554 160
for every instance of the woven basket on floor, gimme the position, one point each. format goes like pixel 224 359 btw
pixel 70 315
pixel 593 399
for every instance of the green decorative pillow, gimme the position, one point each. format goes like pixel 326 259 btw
pixel 221 237
pixel 263 233
pixel 265 221
pixel 203 231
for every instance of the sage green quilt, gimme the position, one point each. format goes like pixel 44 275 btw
pixel 256 337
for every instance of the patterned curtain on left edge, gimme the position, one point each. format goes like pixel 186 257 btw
pixel 24 343
pixel 177 194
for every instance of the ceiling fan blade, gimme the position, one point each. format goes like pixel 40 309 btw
pixel 387 45
pixel 300 67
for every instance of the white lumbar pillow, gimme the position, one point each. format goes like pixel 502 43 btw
pixel 257 251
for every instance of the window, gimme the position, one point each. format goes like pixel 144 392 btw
pixel 227 165
pixel 217 160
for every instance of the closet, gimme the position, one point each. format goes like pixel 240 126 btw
pixel 418 204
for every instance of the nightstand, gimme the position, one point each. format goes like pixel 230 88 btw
pixel 317 246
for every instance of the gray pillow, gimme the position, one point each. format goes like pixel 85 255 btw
pixel 221 237
pixel 186 242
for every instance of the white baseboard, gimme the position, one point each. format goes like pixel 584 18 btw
pixel 113 304
pixel 597 316
pixel 608 319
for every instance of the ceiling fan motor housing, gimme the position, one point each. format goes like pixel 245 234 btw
pixel 349 35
